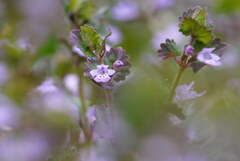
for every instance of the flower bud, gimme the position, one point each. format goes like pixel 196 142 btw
pixel 117 64
pixel 189 50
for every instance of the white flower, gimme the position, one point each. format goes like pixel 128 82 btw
pixel 102 74
pixel 205 56
pixel 186 92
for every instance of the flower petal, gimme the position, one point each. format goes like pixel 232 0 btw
pixel 111 72
pixel 207 50
pixel 212 62
pixel 102 66
pixel 215 57
pixel 94 72
pixel 200 57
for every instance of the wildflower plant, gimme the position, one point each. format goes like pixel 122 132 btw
pixel 203 48
pixel 102 67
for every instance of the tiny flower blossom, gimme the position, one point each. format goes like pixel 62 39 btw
pixel 102 74
pixel 185 92
pixel 117 64
pixel 205 56
pixel 189 50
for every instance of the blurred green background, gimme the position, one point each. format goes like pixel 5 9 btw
pixel 31 51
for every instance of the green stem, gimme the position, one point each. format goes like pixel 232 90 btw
pixel 81 94
pixel 83 119
pixel 175 83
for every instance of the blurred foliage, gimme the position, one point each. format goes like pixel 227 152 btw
pixel 141 98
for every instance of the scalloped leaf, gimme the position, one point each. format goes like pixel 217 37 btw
pixel 76 39
pixel 189 26
pixel 200 15
pixel 168 49
pixel 90 37
pixel 118 54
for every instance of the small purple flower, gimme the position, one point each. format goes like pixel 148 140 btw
pixel 125 11
pixel 189 50
pixel 102 74
pixel 205 56
pixel 117 64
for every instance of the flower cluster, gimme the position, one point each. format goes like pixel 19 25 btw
pixel 203 49
pixel 102 65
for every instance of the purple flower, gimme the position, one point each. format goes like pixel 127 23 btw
pixel 205 56
pixel 117 64
pixel 102 74
pixel 189 50
pixel 125 11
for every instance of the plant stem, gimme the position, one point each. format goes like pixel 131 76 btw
pixel 83 119
pixel 81 94
pixel 175 83
pixel 177 79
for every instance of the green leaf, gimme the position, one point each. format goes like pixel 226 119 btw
pixel 168 49
pixel 90 38
pixel 102 47
pixel 76 40
pixel 48 48
pixel 191 27
pixel 199 15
